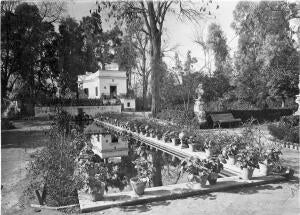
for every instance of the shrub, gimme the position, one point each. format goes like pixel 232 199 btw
pixel 53 167
pixel 6 124
pixel 286 129
pixel 261 115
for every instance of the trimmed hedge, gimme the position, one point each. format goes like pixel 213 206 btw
pixel 287 129
pixel 73 102
pixel 260 115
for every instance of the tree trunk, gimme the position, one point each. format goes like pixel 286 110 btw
pixel 145 89
pixel 155 75
pixel 157 164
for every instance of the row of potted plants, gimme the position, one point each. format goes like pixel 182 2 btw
pixel 232 149
pixel 166 133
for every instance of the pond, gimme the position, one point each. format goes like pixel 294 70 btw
pixel 122 168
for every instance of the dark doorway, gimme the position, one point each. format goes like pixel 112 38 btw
pixel 113 91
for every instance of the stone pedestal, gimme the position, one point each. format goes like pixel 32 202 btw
pixel 297 113
pixel 199 111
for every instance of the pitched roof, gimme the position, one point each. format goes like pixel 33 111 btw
pixel 95 129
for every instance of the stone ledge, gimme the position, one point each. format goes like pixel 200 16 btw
pixel 175 191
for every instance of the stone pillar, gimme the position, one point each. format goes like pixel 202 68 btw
pixel 297 113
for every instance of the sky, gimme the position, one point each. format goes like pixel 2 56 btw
pixel 179 34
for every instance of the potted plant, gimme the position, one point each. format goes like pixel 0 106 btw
pixel 268 158
pixel 174 138
pixel 192 143
pixel 248 160
pixel 166 136
pixel 197 172
pixel 145 172
pixel 229 152
pixel 208 148
pixel 182 137
pixel 147 130
pixel 158 134
pixel 93 178
pixel 152 132
pixel 215 167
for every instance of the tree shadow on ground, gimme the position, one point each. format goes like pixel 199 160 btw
pixel 208 196
pixel 24 139
pixel 144 208
pixel 253 190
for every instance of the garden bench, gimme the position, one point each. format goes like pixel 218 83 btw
pixel 223 118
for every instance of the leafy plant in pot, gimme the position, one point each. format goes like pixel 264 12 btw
pixel 196 170
pixel 229 152
pixel 183 139
pixel 174 138
pixel 268 159
pixel 208 148
pixel 145 171
pixel 93 177
pixel 248 159
pixel 158 134
pixel 166 136
pixel 192 143
pixel 215 166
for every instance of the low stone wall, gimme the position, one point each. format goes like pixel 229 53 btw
pixel 74 110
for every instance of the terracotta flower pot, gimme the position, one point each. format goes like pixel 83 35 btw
pixel 231 160
pixel 264 168
pixel 247 173
pixel 175 141
pixel 138 185
pixel 208 153
pixel 192 147
pixel 201 179
pixel 212 178
pixel 97 193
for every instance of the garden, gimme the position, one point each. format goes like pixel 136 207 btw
pixel 56 179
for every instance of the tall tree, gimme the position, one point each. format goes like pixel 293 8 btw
pixel 103 44
pixel 217 42
pixel 70 55
pixel 265 46
pixel 153 14
pixel 28 51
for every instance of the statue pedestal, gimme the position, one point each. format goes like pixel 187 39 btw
pixel 297 113
pixel 199 111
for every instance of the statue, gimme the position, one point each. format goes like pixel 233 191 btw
pixel 198 106
pixel 199 91
pixel 297 113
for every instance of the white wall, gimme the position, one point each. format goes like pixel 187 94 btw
pixel 73 110
pixel 105 84
pixel 91 85
pixel 105 148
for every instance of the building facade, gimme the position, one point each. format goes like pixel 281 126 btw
pixel 103 82
pixel 111 83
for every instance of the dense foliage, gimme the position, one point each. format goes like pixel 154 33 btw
pixel 52 168
pixel 287 129
pixel 267 61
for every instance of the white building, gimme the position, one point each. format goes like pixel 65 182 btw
pixel 110 82
pixel 103 82
pixel 104 144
